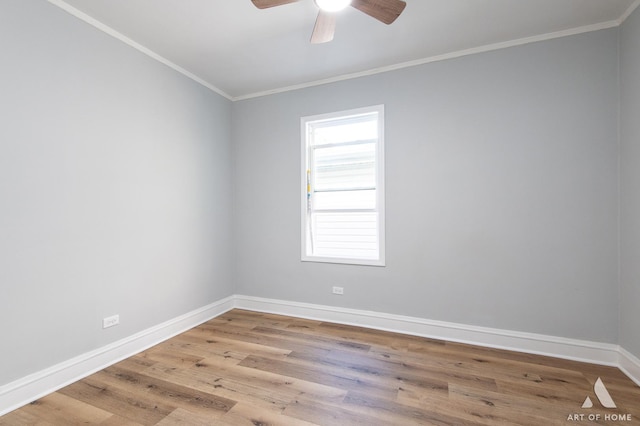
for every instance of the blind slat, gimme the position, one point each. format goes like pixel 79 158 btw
pixel 353 234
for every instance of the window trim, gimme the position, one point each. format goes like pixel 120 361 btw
pixel 380 186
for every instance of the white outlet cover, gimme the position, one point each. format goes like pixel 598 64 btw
pixel 111 321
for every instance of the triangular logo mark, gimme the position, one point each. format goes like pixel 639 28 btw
pixel 603 396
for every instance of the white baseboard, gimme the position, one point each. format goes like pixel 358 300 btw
pixel 22 391
pixel 630 365
pixel 559 347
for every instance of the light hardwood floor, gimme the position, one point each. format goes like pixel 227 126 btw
pixel 247 368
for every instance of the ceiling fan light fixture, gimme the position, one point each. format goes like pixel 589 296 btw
pixel 332 5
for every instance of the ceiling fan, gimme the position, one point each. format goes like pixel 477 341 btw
pixel 383 10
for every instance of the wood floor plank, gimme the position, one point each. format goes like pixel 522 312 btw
pixel 58 408
pixel 116 420
pixel 315 340
pixel 259 369
pixel 251 336
pixel 392 375
pixel 203 380
pixel 184 417
pixel 390 412
pixel 248 319
pixel 387 339
pixel 173 353
pixel 439 369
pixel 328 414
pixel 127 403
pixel 245 414
pixel 23 417
pixel 198 342
pixel 282 386
pixel 335 378
pixel 495 404
pixel 173 394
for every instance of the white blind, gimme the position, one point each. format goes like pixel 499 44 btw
pixel 345 234
pixel 345 166
pixel 344 198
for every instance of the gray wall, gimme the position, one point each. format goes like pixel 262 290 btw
pixel 502 183
pixel 114 189
pixel 116 177
pixel 630 184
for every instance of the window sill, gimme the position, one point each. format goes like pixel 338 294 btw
pixel 345 261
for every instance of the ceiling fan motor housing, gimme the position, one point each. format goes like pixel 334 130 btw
pixel 332 5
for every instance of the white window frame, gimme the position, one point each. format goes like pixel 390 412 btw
pixel 380 193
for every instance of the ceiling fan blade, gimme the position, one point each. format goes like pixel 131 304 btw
pixel 383 10
pixel 265 4
pixel 325 27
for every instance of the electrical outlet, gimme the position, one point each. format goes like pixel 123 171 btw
pixel 111 321
pixel 338 290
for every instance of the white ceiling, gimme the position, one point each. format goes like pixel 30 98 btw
pixel 241 51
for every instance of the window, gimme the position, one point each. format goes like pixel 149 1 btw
pixel 343 187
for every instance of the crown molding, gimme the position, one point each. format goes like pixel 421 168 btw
pixel 451 55
pixel 628 12
pixel 126 40
pixel 438 58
